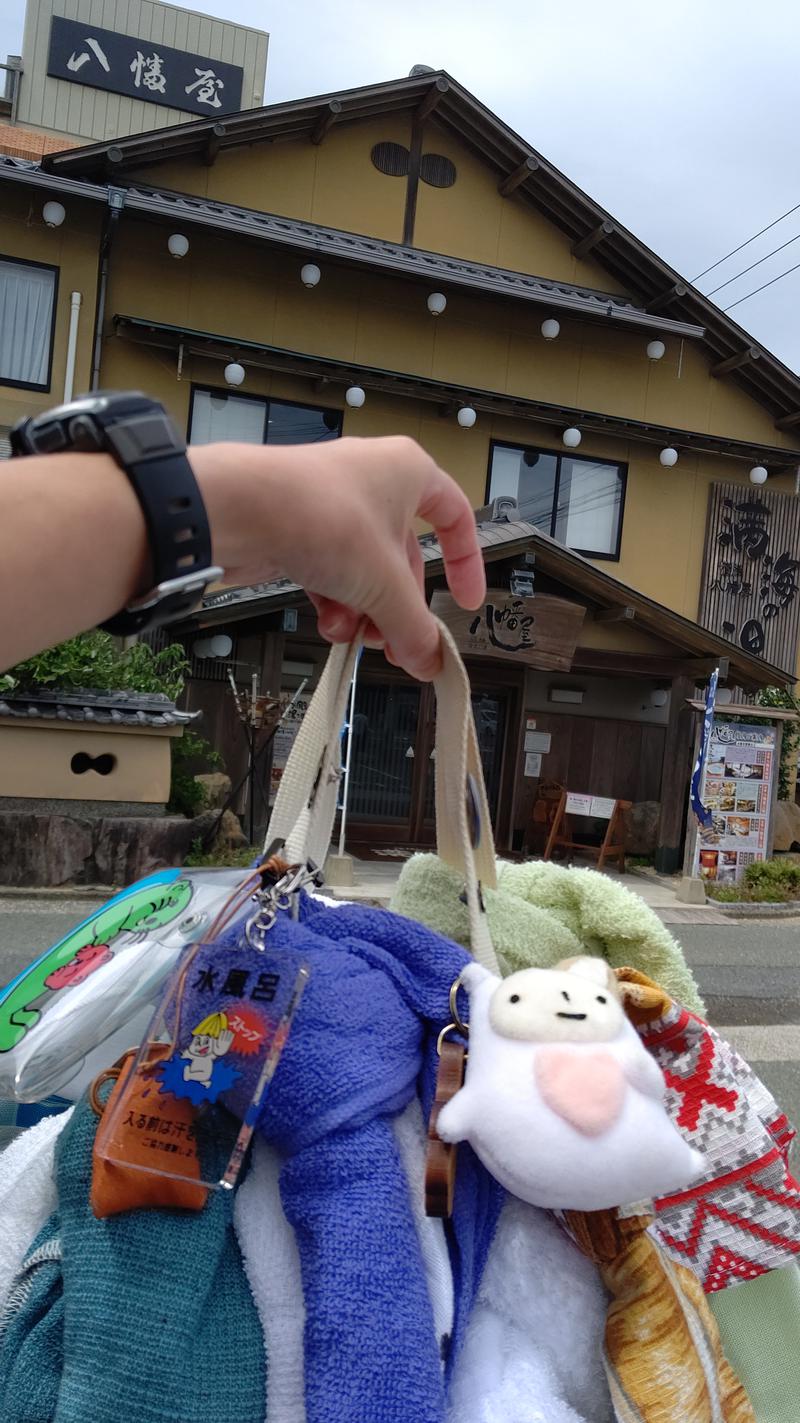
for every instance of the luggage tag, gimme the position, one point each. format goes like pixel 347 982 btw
pixel 188 1109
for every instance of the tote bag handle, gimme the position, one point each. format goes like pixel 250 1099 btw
pixel 305 806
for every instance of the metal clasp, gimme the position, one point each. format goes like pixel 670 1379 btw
pixel 456 1025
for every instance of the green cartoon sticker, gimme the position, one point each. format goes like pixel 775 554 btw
pixel 149 906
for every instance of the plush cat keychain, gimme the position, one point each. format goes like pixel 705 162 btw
pixel 562 1102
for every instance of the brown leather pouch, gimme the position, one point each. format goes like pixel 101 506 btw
pixel 143 1124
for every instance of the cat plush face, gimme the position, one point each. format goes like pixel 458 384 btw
pixel 578 1004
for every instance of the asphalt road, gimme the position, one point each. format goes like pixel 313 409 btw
pixel 749 975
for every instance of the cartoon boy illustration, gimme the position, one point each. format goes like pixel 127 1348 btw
pixel 210 1040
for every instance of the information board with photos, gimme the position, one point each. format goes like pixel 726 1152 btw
pixel 737 790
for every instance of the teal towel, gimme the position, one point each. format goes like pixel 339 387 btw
pixel 152 1315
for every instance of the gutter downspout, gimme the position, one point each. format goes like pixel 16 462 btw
pixel 72 343
pixel 116 202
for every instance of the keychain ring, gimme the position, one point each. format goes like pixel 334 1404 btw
pixel 458 1023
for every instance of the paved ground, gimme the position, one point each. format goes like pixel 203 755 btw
pixel 749 973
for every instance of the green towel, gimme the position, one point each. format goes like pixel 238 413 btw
pixel 148 1316
pixel 541 912
pixel 759 1325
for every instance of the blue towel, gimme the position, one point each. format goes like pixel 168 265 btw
pixel 363 1042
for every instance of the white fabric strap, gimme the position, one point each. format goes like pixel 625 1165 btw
pixel 305 806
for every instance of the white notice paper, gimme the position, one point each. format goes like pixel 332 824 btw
pixel 537 741
pixel 578 804
pixel 533 763
pixel 602 807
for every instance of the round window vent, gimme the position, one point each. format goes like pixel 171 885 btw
pixel 391 159
pixel 437 170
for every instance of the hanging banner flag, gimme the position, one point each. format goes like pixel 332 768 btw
pixel 703 815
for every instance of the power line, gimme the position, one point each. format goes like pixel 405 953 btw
pixel 779 278
pixel 745 270
pixel 742 245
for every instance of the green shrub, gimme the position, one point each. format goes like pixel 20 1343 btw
pixel 226 858
pixel 763 882
pixel 94 660
pixel 191 756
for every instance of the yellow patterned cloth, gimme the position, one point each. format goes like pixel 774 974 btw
pixel 662 1354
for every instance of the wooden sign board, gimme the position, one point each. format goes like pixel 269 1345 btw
pixel 534 632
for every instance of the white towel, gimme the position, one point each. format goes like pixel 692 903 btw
pixel 272 1265
pixel 27 1193
pixel 533 1348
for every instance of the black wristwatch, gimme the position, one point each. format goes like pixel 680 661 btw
pixel 145 443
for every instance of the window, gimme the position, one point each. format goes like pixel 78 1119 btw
pixel 215 415
pixel 577 500
pixel 27 307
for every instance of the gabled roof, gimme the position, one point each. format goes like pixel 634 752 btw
pixel 655 285
pixel 334 244
pixel 510 537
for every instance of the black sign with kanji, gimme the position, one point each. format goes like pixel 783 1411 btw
pixel 143 69
pixel 751 583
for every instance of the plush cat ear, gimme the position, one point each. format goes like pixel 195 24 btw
pixel 596 970
pixel 474 975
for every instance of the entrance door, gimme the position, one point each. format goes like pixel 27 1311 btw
pixel 391 797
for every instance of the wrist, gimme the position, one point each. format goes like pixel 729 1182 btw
pixel 246 491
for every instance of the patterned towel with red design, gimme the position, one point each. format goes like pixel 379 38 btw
pixel 742 1218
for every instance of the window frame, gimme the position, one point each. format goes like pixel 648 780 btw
pixel 265 400
pixel 56 270
pixel 559 455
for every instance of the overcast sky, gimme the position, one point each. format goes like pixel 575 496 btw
pixel 679 116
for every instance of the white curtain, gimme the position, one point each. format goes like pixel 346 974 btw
pixel 26 320
pixel 216 416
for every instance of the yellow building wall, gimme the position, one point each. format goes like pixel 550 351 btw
pixel 35 762
pixel 73 249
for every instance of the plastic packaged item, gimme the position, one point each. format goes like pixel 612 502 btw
pixel 102 975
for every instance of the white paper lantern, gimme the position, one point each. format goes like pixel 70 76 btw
pixel 177 244
pixel 571 438
pixel 437 301
pixel 758 474
pixel 466 417
pixel 202 648
pixel 655 350
pixel 220 645
pixel 550 328
pixel 234 373
pixel 355 396
pixel 668 457
pixel 54 214
pixel 310 274
pixel 724 697
pixel 659 697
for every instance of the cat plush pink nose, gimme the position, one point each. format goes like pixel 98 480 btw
pixel 586 1089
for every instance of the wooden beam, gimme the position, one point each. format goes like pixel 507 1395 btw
pixel 412 182
pixel 616 662
pixel 509 185
pixel 675 771
pixel 787 421
pixel 212 148
pixel 734 363
pixel 436 92
pixel 583 245
pixel 326 120
pixel 615 615
pixel 664 298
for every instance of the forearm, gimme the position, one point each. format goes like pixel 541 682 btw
pixel 74 549
pixel 73 543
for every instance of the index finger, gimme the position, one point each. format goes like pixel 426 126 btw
pixel 447 509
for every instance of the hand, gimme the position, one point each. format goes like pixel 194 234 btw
pixel 223 1042
pixel 338 519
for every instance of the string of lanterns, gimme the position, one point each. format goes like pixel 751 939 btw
pixel 355 396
